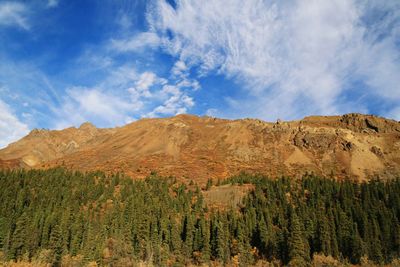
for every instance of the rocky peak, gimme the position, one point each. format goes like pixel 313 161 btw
pixel 87 126
pixel 369 123
pixel 352 145
pixel 38 132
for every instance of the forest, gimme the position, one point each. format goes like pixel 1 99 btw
pixel 69 218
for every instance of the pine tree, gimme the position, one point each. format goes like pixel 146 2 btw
pixel 263 234
pixel 357 249
pixel 222 239
pixel 205 232
pixel 18 246
pixel 155 242
pixel 77 233
pixel 333 234
pixel 56 244
pixel 209 184
pixel 157 220
pixel 245 257
pixel 324 236
pixel 175 242
pixel 298 253
pixel 375 252
pixel 2 233
pixel 188 235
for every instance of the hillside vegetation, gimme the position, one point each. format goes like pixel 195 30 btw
pixel 66 218
pixel 196 148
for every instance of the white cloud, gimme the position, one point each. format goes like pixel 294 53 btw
pixel 144 83
pixel 179 69
pixel 181 73
pixel 11 128
pixel 137 43
pixel 14 14
pixel 294 58
pixel 123 96
pixel 91 104
pixel 52 3
pixel 189 83
pixel 147 79
pixel 176 102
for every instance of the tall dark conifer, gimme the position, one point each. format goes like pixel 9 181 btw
pixel 298 249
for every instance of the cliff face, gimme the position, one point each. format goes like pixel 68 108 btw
pixel 190 147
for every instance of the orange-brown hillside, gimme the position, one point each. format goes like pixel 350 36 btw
pixel 190 147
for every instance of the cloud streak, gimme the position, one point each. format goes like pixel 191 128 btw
pixel 136 43
pixel 14 14
pixel 293 58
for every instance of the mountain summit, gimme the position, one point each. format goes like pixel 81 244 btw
pixel 190 147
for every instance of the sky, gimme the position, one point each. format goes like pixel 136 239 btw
pixel 111 62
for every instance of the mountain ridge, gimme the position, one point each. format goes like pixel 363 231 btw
pixel 190 147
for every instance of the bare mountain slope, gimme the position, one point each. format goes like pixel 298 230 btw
pixel 352 145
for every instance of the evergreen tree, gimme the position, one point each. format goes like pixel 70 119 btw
pixel 117 221
pixel 209 184
pixel 298 253
pixel 324 236
pixel 222 242
pixel 18 246
pixel 245 257
pixel 188 235
pixel 357 250
pixel 205 248
pixel 56 244
pixel 2 232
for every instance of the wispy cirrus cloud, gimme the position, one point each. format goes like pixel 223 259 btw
pixel 83 104
pixel 14 14
pixel 137 43
pixel 293 58
pixel 103 82
pixel 255 58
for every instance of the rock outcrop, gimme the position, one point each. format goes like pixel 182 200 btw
pixel 189 147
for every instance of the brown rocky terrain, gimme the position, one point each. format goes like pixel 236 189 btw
pixel 189 147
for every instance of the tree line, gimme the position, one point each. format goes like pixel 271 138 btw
pixel 51 215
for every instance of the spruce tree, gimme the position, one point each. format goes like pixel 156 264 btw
pixel 357 249
pixel 324 236
pixel 298 253
pixel 18 246
pixel 2 233
pixel 245 257
pixel 222 244
pixel 56 244
pixel 188 235
pixel 205 248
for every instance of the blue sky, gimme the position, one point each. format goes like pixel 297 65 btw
pixel 113 62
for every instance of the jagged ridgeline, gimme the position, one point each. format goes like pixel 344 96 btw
pixel 56 216
pixel 190 147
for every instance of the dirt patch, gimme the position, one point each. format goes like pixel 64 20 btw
pixel 226 196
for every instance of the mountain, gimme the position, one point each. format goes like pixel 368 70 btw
pixel 190 147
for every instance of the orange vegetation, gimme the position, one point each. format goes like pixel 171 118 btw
pixel 198 148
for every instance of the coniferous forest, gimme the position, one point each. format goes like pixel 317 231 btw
pixel 64 218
